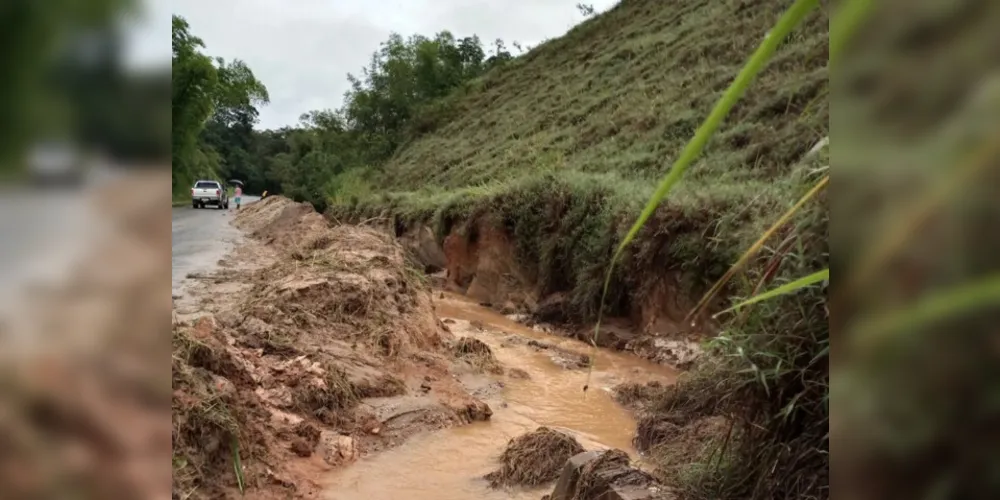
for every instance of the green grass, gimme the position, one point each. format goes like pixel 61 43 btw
pixel 565 145
pixel 563 150
pixel 623 93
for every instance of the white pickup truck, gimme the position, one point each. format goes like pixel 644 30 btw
pixel 209 193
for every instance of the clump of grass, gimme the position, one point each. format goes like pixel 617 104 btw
pixel 534 459
pixel 477 354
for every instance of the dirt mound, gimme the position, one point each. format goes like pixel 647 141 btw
pixel 534 458
pixel 338 319
pixel 477 354
pixel 217 417
pixel 344 282
pixel 282 222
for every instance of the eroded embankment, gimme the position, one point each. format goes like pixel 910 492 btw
pixel 327 352
pixel 480 259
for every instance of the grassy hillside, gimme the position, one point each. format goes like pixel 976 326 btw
pixel 561 150
pixel 623 92
pixel 563 145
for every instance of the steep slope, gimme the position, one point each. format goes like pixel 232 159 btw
pixel 523 184
pixel 551 158
pixel 622 93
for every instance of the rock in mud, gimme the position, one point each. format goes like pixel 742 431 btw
pixel 518 373
pixel 570 360
pixel 476 411
pixel 533 459
pixel 338 449
pixel 539 345
pixel 680 354
pixel 606 475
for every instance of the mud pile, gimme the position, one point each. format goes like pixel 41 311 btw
pixel 271 384
pixel 535 458
pixel 477 354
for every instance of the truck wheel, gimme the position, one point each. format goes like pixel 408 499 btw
pixel 194 205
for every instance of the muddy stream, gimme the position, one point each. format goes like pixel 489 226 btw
pixel 449 464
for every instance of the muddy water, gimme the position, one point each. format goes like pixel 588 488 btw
pixel 449 464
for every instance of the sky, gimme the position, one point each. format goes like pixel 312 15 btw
pixel 302 50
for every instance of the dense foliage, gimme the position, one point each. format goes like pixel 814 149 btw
pixel 214 108
pixel 400 95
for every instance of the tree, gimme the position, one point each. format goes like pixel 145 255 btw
pixel 586 9
pixel 193 85
pixel 401 93
pixel 214 111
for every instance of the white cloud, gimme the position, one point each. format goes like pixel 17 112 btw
pixel 303 49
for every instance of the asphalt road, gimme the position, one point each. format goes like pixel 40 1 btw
pixel 45 232
pixel 200 237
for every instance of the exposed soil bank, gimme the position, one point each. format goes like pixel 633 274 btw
pixel 479 259
pixel 312 347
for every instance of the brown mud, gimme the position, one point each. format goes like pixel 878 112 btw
pixel 313 346
pixel 316 359
pixel 535 390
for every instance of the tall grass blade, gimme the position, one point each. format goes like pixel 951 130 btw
pixel 847 21
pixel 934 308
pixel 752 251
pixel 237 465
pixel 787 288
pixel 788 21
pixel 921 209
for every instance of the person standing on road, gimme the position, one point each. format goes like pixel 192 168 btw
pixel 238 192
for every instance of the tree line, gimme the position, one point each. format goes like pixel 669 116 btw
pixel 401 94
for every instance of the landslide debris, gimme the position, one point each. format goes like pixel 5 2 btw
pixel 278 371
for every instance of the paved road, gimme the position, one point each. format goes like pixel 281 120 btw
pixel 45 232
pixel 200 237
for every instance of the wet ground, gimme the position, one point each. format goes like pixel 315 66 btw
pixel 449 464
pixel 200 237
pixel 392 446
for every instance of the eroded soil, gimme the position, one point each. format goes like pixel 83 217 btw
pixel 321 358
pixel 311 347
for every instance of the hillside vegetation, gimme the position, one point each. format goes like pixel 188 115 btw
pixel 560 150
pixel 550 156
pixel 563 145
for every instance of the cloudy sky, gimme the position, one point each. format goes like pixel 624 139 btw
pixel 303 49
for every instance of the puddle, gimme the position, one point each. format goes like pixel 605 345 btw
pixel 449 464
